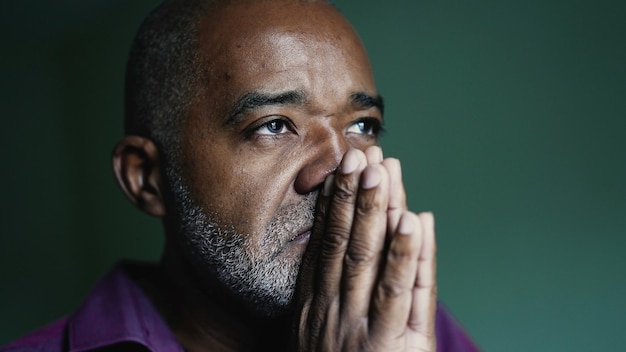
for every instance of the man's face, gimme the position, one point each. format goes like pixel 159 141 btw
pixel 287 91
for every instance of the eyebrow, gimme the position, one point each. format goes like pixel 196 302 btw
pixel 255 100
pixel 366 101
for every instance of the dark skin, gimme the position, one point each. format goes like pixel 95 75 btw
pixel 288 100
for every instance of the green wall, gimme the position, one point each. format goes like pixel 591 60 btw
pixel 510 119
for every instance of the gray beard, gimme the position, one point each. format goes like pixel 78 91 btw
pixel 258 277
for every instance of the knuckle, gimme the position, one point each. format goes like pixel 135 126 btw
pixel 343 192
pixel 401 254
pixel 316 327
pixel 334 238
pixel 356 258
pixel 368 204
pixel 367 208
pixel 404 248
pixel 339 224
pixel 346 187
pixel 392 288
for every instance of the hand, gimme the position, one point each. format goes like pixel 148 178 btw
pixel 367 281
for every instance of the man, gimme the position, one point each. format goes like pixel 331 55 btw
pixel 252 132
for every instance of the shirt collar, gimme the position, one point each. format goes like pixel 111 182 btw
pixel 116 311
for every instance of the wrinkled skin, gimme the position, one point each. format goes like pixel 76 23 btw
pixel 366 281
pixel 368 278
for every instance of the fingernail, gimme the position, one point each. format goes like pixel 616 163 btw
pixel 371 178
pixel 328 185
pixel 350 162
pixel 406 225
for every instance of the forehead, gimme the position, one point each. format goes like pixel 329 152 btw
pixel 274 45
pixel 245 22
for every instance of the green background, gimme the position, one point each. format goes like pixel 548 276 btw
pixel 509 117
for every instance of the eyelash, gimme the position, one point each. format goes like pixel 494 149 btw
pixel 255 129
pixel 375 126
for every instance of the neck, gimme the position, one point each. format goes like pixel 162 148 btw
pixel 206 318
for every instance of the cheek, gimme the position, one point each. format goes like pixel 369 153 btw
pixel 245 195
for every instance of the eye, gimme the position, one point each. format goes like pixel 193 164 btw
pixel 272 127
pixel 369 127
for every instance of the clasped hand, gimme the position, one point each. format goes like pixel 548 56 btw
pixel 367 281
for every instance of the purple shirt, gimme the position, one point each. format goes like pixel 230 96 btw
pixel 118 312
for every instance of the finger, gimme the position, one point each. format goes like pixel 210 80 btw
pixel 308 268
pixel 422 318
pixel 393 297
pixel 374 155
pixel 336 232
pixel 362 259
pixel 397 195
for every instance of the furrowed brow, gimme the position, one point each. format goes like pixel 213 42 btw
pixel 366 101
pixel 255 100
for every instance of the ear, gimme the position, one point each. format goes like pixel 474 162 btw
pixel 136 165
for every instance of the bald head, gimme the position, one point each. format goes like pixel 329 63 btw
pixel 165 70
pixel 243 40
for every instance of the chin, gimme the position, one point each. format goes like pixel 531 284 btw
pixel 271 294
pixel 271 311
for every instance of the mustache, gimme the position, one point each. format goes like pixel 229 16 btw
pixel 291 220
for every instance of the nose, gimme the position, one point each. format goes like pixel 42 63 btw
pixel 325 154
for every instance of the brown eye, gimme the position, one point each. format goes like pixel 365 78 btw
pixel 366 127
pixel 272 127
